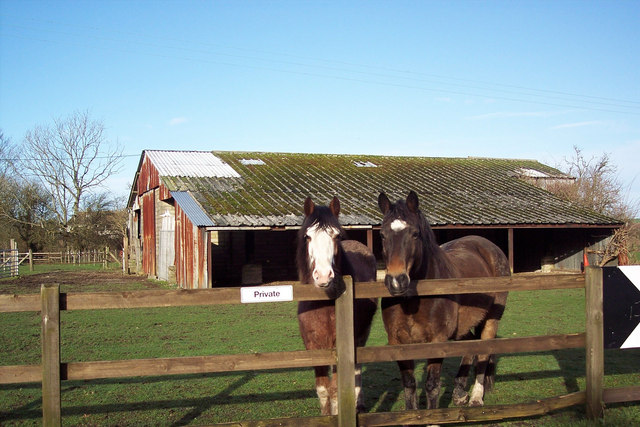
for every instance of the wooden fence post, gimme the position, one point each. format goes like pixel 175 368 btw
pixel 594 342
pixel 345 348
pixel 51 401
pixel 30 260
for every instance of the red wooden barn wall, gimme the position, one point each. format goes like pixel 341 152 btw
pixel 191 253
pixel 148 208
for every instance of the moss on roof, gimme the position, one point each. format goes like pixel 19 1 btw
pixel 452 191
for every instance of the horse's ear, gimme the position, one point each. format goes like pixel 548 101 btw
pixel 309 206
pixel 383 203
pixel 335 206
pixel 412 201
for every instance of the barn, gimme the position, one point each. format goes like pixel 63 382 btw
pixel 221 218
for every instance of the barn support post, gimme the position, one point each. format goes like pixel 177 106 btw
pixel 594 342
pixel 51 401
pixel 345 348
pixel 510 248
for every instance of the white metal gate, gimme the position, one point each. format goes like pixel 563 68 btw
pixel 9 261
pixel 166 245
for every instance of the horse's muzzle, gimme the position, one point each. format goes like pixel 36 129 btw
pixel 397 285
pixel 333 288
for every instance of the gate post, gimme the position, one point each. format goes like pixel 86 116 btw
pixel 594 342
pixel 51 402
pixel 345 348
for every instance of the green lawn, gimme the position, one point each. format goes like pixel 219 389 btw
pixel 211 398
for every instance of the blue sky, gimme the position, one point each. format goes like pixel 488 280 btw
pixel 515 79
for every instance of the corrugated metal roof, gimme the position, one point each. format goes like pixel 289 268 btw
pixel 190 163
pixel 192 209
pixel 271 189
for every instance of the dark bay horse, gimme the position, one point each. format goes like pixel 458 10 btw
pixel 322 257
pixel 411 253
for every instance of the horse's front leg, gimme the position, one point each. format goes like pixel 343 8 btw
pixel 409 383
pixel 432 385
pixel 333 391
pixel 360 406
pixel 323 388
pixel 460 395
pixel 485 364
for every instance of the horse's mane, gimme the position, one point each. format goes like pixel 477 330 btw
pixel 325 219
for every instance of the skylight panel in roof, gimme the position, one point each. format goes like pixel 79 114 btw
pixel 366 164
pixel 532 173
pixel 257 162
pixel 198 164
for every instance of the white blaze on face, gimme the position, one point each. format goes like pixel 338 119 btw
pixel 398 225
pixel 321 251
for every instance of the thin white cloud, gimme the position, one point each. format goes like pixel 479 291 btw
pixel 579 124
pixel 512 114
pixel 177 121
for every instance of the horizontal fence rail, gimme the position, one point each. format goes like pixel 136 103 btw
pixel 193 297
pixel 345 356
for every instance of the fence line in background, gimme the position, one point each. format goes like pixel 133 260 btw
pixel 11 259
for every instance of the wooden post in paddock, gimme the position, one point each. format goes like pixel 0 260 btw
pixel 345 348
pixel 51 403
pixel 594 342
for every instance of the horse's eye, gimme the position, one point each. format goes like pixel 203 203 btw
pixel 415 235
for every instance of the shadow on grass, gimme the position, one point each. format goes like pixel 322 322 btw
pixel 387 389
pixel 382 386
pixel 197 406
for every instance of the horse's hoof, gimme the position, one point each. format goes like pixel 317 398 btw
pixel 475 403
pixel 460 399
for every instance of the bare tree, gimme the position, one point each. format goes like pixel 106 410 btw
pixel 101 223
pixel 598 188
pixel 8 155
pixel 71 158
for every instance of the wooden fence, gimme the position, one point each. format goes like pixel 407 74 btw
pixel 52 371
pixel 93 256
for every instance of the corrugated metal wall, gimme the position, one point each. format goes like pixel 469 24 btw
pixel 148 208
pixel 148 177
pixel 191 253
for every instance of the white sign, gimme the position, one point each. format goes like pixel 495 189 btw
pixel 255 294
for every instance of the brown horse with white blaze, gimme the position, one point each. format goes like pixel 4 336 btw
pixel 322 258
pixel 411 253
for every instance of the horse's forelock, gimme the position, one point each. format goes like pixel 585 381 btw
pixel 400 210
pixel 323 219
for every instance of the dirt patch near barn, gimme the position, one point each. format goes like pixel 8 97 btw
pixel 79 281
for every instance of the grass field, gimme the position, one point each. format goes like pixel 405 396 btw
pixel 214 398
